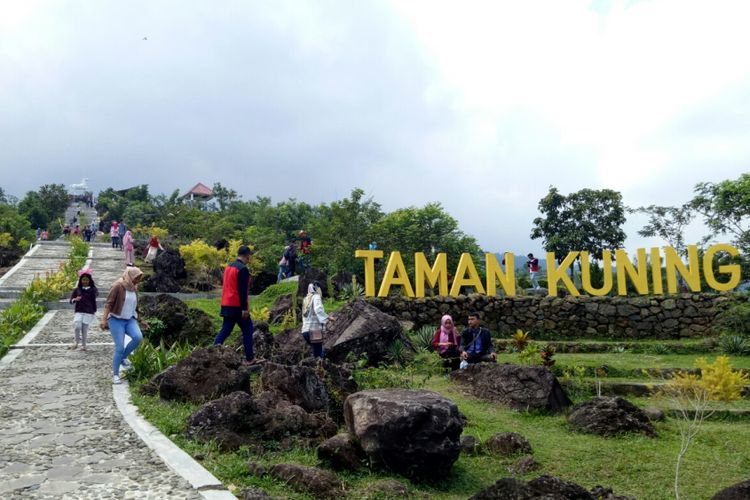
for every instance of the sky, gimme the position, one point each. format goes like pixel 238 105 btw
pixel 479 105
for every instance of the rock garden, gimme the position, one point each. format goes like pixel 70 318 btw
pixel 587 417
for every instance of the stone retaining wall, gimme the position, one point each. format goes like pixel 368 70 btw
pixel 663 317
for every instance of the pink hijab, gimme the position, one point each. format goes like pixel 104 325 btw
pixel 447 333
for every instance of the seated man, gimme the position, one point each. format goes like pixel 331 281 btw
pixel 476 343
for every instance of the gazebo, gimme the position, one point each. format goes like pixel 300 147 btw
pixel 199 192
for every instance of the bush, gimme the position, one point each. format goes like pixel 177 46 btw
pixel 734 344
pixel 352 291
pixel 422 338
pixel 148 360
pixel 735 320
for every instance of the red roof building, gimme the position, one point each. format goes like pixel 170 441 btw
pixel 199 191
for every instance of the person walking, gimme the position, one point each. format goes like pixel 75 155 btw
pixel 121 319
pixel 235 307
pixel 127 243
pixel 84 297
pixel 314 319
pixel 152 249
pixel 305 248
pixel 121 229
pixel 290 254
pixel 533 264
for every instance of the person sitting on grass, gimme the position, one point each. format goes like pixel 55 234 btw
pixel 476 342
pixel 445 342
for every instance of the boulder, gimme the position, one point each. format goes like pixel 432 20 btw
pixel 254 494
pixel 341 452
pixel 413 433
pixel 340 280
pixel 524 466
pixel 284 419
pixel 299 385
pixel 654 414
pixel 610 416
pixel 519 387
pixel 207 373
pixel 542 487
pixel 160 283
pixel 169 263
pixel 312 274
pixel 507 444
pixel 318 482
pixel 739 491
pixel 279 309
pixel 339 382
pixel 387 488
pixel 229 421
pixel 181 323
pixel 262 340
pixel 289 347
pixel 359 328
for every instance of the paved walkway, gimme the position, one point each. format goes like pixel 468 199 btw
pixel 61 433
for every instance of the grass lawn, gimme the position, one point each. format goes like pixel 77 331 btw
pixel 629 361
pixel 633 465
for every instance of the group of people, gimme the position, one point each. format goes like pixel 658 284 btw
pixel 292 261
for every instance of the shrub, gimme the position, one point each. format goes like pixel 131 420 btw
pixel 260 314
pixel 422 338
pixel 735 320
pixel 734 344
pixel 530 355
pixel 519 340
pixel 351 291
pixel 148 360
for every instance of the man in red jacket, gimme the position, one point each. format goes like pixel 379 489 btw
pixel 235 308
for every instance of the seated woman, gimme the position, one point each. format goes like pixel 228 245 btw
pixel 445 343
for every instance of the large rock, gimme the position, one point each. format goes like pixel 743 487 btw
pixel 289 347
pixel 340 280
pixel 608 416
pixel 413 433
pixel 519 387
pixel 299 385
pixel 359 328
pixel 507 444
pixel 318 482
pixel 739 491
pixel 161 283
pixel 542 488
pixel 169 263
pixel 341 452
pixel 181 323
pixel 339 383
pixel 261 281
pixel 206 374
pixel 279 309
pixel 312 274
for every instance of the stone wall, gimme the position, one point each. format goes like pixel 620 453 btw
pixel 662 317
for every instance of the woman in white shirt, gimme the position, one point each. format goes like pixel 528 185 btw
pixel 314 319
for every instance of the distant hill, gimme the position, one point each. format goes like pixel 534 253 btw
pixel 521 260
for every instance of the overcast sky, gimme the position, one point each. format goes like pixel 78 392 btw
pixel 479 105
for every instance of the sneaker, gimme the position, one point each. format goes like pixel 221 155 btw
pixel 116 379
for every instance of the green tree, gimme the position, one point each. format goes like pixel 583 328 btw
pixel 725 208
pixel 32 207
pixel 15 233
pixel 668 223
pixel 224 196
pixel 55 200
pixel 341 228
pixel 588 220
pixel 429 229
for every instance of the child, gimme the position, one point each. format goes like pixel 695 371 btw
pixel 84 298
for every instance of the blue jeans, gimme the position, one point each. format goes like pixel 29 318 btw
pixel 246 325
pixel 119 328
pixel 317 347
pixel 282 273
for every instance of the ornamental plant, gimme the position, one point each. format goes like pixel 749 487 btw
pixel 692 395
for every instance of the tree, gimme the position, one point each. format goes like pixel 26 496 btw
pixel 55 200
pixel 587 220
pixel 429 230
pixel 224 196
pixel 726 209
pixel 32 207
pixel 668 223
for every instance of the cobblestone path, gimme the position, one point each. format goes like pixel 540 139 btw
pixel 61 434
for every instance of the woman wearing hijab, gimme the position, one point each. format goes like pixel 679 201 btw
pixel 314 319
pixel 127 244
pixel 445 341
pixel 121 318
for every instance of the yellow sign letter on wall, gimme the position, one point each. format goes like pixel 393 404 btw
pixel 732 269
pixel 466 265
pixel 395 274
pixel 369 256
pixel 606 271
pixel 674 264
pixel 495 272
pixel 437 274
pixel 656 278
pixel 555 274
pixel 639 277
